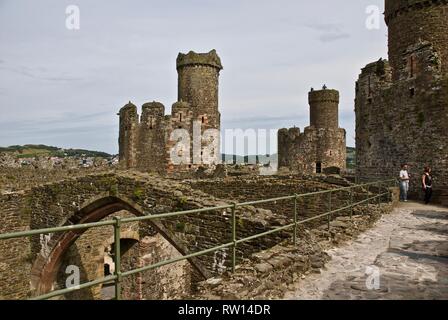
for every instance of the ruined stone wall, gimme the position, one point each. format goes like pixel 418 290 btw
pixel 322 144
pixel 259 188
pixel 402 107
pixel 141 245
pixel 128 135
pixel 67 203
pixel 152 138
pixel 15 256
pixel 15 179
pixel 174 281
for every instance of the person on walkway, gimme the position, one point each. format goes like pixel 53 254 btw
pixel 427 184
pixel 404 183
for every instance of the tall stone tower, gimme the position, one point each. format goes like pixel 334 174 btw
pixel 401 105
pixel 198 85
pixel 128 135
pixel 322 146
pixel 324 106
pixel 413 21
pixel 149 143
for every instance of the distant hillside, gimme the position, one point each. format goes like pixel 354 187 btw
pixel 351 158
pixel 33 150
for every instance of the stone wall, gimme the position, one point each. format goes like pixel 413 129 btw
pixel 269 274
pixel 258 188
pixel 95 197
pixel 322 145
pixel 412 20
pixel 16 179
pixel 402 106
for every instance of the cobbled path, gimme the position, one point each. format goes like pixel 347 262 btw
pixel 404 256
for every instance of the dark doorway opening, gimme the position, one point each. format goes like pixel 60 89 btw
pixel 318 167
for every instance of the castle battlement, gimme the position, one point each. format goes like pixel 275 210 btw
pixel 145 144
pixel 394 8
pixel 210 59
pixel 322 144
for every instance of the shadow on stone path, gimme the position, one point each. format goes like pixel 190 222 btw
pixel 405 255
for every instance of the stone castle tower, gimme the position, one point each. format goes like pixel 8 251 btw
pixel 151 143
pixel 402 104
pixel 321 147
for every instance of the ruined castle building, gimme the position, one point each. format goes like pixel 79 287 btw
pixel 198 83
pixel 147 144
pixel 322 146
pixel 401 105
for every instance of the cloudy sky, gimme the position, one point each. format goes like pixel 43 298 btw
pixel 64 87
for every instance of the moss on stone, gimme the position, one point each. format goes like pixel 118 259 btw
pixel 113 190
pixel 138 193
pixel 180 227
pixel 421 119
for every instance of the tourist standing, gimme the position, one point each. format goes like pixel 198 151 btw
pixel 427 184
pixel 404 183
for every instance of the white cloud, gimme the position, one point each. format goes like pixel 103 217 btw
pixel 272 51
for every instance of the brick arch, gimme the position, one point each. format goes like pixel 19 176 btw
pixel 45 268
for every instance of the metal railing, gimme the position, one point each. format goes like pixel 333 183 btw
pixel 117 222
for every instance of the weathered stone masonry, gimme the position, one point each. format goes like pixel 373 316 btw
pixel 402 104
pixel 30 266
pixel 322 145
pixel 146 144
pixel 34 265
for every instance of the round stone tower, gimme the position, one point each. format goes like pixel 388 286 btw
pixel 128 135
pixel 324 106
pixel 198 79
pixel 410 21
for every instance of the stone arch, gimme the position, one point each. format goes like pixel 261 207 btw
pixel 45 267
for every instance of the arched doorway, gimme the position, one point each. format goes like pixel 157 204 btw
pixel 45 269
pixel 129 254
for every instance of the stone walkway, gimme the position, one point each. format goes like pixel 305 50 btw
pixel 404 256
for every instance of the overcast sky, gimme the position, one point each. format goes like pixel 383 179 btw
pixel 64 87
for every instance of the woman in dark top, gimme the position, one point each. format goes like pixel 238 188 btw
pixel 427 184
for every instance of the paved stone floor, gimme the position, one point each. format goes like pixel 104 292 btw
pixel 404 256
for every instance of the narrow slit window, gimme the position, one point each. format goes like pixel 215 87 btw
pixel 318 167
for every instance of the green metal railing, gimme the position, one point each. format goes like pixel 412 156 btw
pixel 117 222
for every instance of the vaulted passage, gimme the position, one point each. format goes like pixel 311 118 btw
pixel 91 253
pixel 39 264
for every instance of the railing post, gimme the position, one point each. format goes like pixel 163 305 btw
pixel 295 220
pixel 379 193
pixel 329 213
pixel 389 194
pixel 351 203
pixel 234 237
pixel 367 198
pixel 117 257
